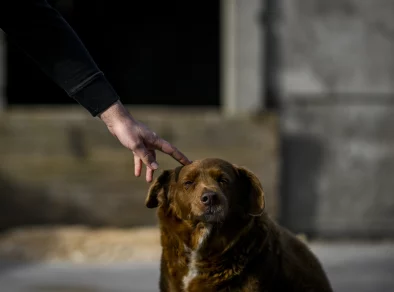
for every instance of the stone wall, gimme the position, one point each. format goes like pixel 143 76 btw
pixel 61 166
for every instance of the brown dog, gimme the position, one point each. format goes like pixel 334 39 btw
pixel 216 236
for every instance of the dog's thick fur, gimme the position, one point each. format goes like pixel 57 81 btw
pixel 226 242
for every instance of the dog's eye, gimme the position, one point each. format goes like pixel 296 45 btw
pixel 187 184
pixel 223 180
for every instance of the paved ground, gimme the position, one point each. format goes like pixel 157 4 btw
pixel 358 268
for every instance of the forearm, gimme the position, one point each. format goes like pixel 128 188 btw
pixel 47 38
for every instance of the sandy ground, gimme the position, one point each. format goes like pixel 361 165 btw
pixel 80 245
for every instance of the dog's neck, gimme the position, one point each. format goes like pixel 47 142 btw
pixel 211 251
pixel 218 239
pixel 213 240
pixel 226 250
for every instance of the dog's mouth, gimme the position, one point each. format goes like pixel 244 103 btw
pixel 214 214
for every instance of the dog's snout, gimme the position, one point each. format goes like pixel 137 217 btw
pixel 210 198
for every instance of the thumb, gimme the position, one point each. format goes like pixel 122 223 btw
pixel 146 156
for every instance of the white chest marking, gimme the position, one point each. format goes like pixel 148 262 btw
pixel 193 270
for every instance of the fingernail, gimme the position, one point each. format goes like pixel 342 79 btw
pixel 154 165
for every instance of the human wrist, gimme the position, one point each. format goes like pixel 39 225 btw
pixel 116 112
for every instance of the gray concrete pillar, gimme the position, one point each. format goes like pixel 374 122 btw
pixel 242 56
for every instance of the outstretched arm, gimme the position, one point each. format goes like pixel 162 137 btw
pixel 44 35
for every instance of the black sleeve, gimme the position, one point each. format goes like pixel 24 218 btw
pixel 43 34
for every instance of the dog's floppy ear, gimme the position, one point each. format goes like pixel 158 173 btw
pixel 254 190
pixel 159 189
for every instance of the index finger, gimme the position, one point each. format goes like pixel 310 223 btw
pixel 165 147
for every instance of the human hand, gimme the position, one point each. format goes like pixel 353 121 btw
pixel 138 138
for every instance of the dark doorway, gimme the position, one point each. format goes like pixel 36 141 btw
pixel 153 52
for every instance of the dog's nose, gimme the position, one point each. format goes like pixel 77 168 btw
pixel 209 198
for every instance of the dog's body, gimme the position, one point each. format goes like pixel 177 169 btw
pixel 216 236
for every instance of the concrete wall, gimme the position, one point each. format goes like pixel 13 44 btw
pixel 339 46
pixel 336 77
pixel 60 166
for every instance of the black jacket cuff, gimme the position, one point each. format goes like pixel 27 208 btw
pixel 96 95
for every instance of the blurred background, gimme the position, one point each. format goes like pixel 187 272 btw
pixel 299 91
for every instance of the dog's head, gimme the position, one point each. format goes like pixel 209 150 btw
pixel 207 191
